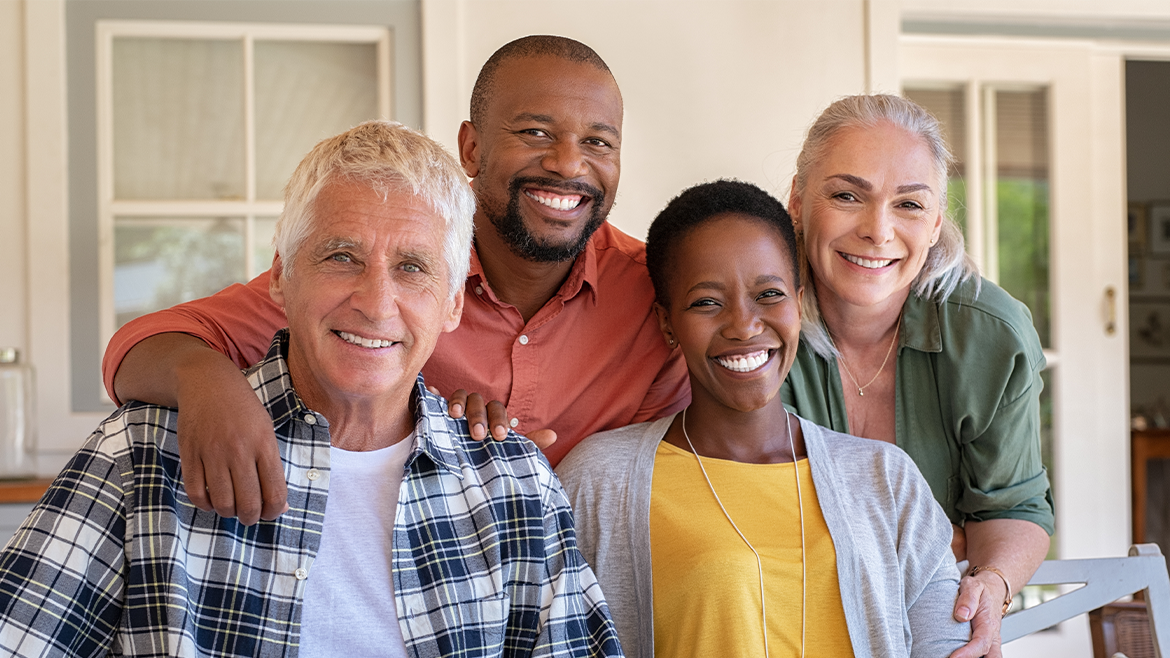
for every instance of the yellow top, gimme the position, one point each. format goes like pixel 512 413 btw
pixel 706 582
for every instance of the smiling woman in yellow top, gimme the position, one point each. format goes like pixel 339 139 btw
pixel 735 528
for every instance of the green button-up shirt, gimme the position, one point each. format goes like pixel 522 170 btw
pixel 968 403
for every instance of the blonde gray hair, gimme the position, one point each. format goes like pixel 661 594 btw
pixel 386 156
pixel 947 263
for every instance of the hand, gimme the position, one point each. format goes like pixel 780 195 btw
pixel 493 414
pixel 227 447
pixel 980 601
pixel 959 543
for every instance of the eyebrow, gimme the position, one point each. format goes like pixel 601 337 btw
pixel 599 126
pixel 868 187
pixel 715 285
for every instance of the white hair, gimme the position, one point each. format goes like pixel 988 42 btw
pixel 947 263
pixel 385 155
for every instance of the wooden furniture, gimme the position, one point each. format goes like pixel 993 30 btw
pixel 1105 580
pixel 1122 627
pixel 1144 446
pixel 22 491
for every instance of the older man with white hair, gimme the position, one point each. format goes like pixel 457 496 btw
pixel 403 537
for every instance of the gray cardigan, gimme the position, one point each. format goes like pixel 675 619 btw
pixel 897 573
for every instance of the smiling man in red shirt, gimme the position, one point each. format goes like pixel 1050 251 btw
pixel 557 322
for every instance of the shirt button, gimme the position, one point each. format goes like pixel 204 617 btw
pixel 301 574
pixel 524 340
pixel 310 419
pixel 479 290
pixel 514 422
pixel 313 474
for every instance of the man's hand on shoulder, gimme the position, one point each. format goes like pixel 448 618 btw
pixel 230 459
pixel 494 414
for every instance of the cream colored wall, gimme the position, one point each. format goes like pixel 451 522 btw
pixel 13 242
pixel 711 89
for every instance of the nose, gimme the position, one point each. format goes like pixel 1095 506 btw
pixel 877 225
pixel 742 322
pixel 375 295
pixel 565 158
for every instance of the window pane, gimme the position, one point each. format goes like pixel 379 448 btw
pixel 1021 135
pixel 160 263
pixel 305 92
pixel 948 106
pixel 262 250
pixel 178 113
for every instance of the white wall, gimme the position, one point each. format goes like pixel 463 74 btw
pixel 711 89
pixel 13 242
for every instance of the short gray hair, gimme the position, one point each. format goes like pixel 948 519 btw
pixel 947 263
pixel 385 155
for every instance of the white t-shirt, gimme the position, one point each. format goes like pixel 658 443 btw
pixel 349 599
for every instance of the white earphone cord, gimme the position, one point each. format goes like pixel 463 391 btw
pixel 759 562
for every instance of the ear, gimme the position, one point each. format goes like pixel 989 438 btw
pixel 794 206
pixel 469 150
pixel 276 280
pixel 454 313
pixel 800 303
pixel 937 232
pixel 664 324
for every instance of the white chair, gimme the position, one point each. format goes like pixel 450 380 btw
pixel 1105 580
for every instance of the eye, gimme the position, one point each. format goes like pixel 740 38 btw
pixel 705 302
pixel 341 258
pixel 533 132
pixel 412 268
pixel 771 295
pixel 845 196
pixel 597 141
pixel 911 205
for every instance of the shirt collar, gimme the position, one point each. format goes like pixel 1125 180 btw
pixel 920 325
pixel 584 271
pixel 436 431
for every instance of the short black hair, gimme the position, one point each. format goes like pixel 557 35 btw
pixel 537 45
pixel 696 206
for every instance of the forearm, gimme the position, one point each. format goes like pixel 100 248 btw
pixel 1013 546
pixel 156 369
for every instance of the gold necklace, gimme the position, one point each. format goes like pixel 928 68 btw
pixel 759 562
pixel 841 358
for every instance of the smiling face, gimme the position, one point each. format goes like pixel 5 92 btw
pixel 545 163
pixel 734 310
pixel 870 211
pixel 366 296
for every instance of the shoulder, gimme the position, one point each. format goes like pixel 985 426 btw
pixel 136 424
pixel 599 455
pixel 990 316
pixel 617 249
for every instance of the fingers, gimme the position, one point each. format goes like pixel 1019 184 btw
pixel 273 488
pixel 477 416
pixel 967 603
pixel 497 418
pixel 193 481
pixel 985 625
pixel 456 404
pixel 543 438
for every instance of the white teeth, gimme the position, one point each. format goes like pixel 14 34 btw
pixel 556 203
pixel 743 362
pixel 865 262
pixel 370 343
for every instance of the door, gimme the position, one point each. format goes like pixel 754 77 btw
pixel 1040 192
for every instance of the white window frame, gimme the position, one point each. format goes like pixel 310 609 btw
pixel 250 208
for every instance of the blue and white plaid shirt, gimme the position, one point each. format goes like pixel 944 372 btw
pixel 116 559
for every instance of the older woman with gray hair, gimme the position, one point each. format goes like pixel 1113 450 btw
pixel 904 342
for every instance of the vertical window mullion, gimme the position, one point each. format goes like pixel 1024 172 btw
pixel 249 149
pixel 974 173
pixel 990 185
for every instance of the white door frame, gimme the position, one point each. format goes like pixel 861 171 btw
pixel 1090 365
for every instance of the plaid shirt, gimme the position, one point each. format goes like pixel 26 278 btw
pixel 116 559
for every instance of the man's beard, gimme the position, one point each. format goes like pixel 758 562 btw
pixel 511 228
